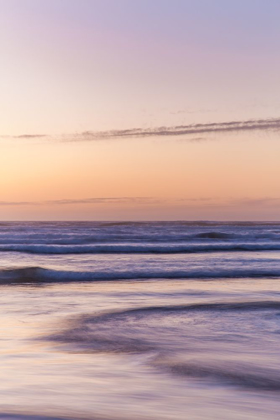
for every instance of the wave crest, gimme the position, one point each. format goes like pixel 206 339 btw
pixel 191 248
pixel 41 274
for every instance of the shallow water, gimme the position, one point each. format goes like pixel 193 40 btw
pixel 140 335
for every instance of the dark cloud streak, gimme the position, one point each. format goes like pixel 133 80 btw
pixel 25 136
pixel 191 130
pixel 30 136
pixel 183 130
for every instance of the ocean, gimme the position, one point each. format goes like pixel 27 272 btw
pixel 140 321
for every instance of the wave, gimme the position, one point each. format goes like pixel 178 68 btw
pixel 110 331
pixel 184 223
pixel 22 274
pixel 238 306
pixel 131 237
pixel 214 235
pixel 139 249
pixel 16 415
pixel 129 331
pixel 244 376
pixel 28 416
pixel 42 274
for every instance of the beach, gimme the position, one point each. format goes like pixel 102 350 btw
pixel 94 328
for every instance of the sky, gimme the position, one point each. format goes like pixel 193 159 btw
pixel 139 110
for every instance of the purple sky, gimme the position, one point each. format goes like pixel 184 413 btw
pixel 70 67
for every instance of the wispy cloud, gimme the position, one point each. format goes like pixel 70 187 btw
pixel 187 131
pixel 192 111
pixel 182 130
pixel 25 136
pixel 195 202
pixel 263 201
pixel 95 200
pixel 31 136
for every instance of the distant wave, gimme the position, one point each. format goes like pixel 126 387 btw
pixel 28 416
pixel 16 415
pixel 41 274
pixel 168 248
pixel 214 235
pixel 22 274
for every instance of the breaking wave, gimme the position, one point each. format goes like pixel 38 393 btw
pixel 42 274
pixel 140 249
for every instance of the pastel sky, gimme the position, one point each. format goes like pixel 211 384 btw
pixel 139 110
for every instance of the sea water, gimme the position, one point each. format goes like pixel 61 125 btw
pixel 124 321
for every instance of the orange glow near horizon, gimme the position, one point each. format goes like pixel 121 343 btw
pixel 141 179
